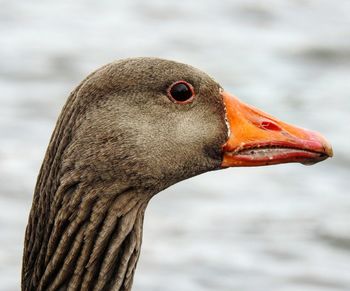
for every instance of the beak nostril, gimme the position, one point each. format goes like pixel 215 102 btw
pixel 268 125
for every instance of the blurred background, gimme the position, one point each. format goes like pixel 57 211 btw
pixel 284 228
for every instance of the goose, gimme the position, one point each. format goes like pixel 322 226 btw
pixel 129 130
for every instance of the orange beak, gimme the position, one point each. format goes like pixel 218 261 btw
pixel 259 139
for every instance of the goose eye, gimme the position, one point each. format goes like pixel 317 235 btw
pixel 181 92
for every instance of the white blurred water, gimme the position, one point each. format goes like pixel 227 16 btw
pixel 284 228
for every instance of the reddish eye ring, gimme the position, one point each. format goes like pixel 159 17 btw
pixel 181 92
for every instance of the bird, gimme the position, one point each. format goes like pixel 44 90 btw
pixel 129 130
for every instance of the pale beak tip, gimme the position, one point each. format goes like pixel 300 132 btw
pixel 329 150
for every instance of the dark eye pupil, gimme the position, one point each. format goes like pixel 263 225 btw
pixel 181 92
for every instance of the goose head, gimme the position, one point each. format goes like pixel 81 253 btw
pixel 129 130
pixel 154 122
pixel 150 122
